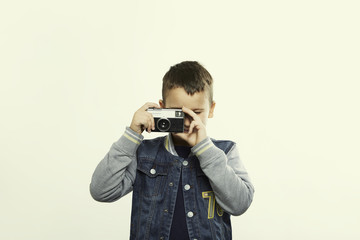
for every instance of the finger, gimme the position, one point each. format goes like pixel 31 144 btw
pixel 192 125
pixel 190 113
pixel 150 105
pixel 145 121
pixel 149 124
pixel 150 119
pixel 152 122
pixel 144 126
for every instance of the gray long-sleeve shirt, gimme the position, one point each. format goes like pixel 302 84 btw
pixel 115 174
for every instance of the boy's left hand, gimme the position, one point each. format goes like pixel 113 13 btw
pixel 197 129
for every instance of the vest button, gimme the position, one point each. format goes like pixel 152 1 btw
pixel 190 214
pixel 185 163
pixel 171 184
pixel 152 171
pixel 187 187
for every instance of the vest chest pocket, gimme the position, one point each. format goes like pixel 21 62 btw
pixel 151 177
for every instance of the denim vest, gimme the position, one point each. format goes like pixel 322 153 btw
pixel 155 189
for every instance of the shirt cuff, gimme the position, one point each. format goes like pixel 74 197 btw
pixel 206 152
pixel 130 140
pixel 202 147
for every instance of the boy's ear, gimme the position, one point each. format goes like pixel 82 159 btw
pixel 161 103
pixel 212 107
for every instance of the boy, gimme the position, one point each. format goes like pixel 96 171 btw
pixel 185 185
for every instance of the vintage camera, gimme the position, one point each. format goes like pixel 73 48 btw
pixel 168 119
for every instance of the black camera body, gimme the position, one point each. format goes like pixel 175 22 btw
pixel 168 119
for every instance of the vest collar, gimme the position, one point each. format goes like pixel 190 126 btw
pixel 170 147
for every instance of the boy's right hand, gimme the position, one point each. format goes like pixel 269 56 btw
pixel 143 120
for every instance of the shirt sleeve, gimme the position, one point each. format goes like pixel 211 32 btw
pixel 227 176
pixel 115 174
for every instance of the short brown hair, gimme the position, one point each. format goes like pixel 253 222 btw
pixel 191 76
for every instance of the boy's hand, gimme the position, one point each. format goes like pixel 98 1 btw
pixel 143 120
pixel 197 130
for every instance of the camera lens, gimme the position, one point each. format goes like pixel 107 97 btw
pixel 163 124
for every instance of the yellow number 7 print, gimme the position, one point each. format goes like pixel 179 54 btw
pixel 211 209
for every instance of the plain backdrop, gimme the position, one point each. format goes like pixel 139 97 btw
pixel 286 85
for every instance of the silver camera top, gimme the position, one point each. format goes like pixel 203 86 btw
pixel 166 112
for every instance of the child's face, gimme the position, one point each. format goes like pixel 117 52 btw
pixel 198 103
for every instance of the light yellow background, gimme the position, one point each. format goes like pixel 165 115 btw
pixel 287 90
